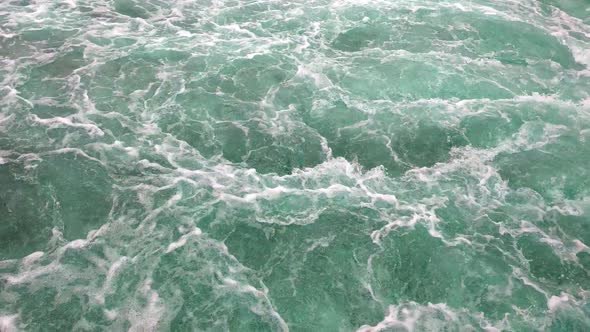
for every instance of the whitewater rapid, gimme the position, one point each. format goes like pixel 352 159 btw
pixel 294 165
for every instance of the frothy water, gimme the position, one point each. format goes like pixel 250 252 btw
pixel 294 165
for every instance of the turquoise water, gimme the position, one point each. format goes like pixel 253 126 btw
pixel 319 165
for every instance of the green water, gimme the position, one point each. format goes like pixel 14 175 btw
pixel 290 165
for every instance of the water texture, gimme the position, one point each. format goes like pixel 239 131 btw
pixel 291 165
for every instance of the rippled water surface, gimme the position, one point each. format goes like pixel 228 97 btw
pixel 294 165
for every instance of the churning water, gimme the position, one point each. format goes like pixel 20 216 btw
pixel 301 165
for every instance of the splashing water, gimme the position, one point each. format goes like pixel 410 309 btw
pixel 270 165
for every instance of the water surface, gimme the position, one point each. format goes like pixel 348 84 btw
pixel 296 165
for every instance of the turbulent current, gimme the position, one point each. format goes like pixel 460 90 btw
pixel 294 165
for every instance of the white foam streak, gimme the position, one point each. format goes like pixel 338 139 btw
pixel 57 122
pixel 147 319
pixel 407 317
pixel 8 323
pixel 556 302
pixel 182 241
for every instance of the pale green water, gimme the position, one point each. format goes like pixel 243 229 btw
pixel 294 165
